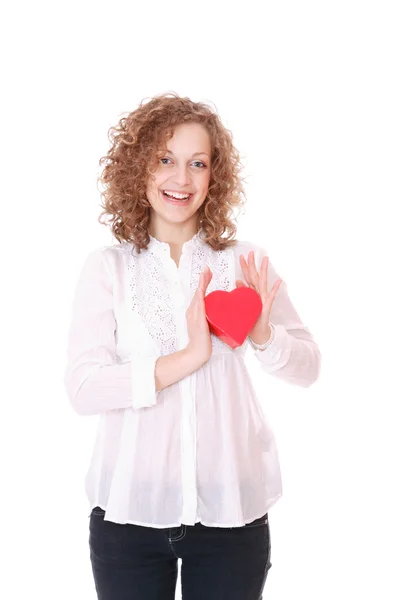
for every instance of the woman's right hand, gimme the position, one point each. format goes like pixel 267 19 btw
pixel 199 345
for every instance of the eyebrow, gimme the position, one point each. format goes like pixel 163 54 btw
pixel 195 154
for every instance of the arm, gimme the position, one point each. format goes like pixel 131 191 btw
pixel 94 380
pixel 292 354
pixel 173 367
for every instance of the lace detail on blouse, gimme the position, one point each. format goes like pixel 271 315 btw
pixel 151 299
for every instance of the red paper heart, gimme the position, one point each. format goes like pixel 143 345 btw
pixel 232 315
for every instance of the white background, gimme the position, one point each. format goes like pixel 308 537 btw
pixel 310 91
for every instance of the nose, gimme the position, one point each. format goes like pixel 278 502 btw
pixel 181 176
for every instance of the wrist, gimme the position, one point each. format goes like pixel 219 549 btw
pixel 262 344
pixel 192 358
pixel 262 339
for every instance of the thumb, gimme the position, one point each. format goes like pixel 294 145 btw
pixel 205 278
pixel 208 275
pixel 200 287
pixel 240 283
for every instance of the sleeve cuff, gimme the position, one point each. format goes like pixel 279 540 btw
pixel 268 343
pixel 143 381
pixel 278 348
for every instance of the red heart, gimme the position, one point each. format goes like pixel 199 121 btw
pixel 232 315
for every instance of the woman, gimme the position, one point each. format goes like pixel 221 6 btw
pixel 185 464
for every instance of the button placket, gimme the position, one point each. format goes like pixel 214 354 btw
pixel 188 405
pixel 179 291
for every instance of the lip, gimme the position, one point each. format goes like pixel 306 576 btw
pixel 176 202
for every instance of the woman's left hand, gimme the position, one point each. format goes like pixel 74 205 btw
pixel 261 331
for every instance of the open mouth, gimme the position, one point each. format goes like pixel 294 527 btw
pixel 176 198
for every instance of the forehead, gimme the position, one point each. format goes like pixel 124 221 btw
pixel 192 135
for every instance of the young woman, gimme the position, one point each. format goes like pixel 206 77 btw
pixel 185 464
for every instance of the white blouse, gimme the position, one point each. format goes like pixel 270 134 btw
pixel 201 449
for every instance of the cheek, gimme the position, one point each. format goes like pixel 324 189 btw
pixel 205 180
pixel 152 186
pixel 152 196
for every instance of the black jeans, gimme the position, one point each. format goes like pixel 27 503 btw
pixel 133 562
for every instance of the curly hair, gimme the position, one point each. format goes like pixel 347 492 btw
pixel 136 145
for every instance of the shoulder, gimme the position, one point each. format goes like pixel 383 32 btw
pixel 100 254
pixel 112 251
pixel 104 258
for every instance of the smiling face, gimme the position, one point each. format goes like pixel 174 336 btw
pixel 180 183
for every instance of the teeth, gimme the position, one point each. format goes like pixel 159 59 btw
pixel 177 196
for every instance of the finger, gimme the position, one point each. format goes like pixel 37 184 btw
pixel 273 292
pixel 245 269
pixel 263 280
pixel 247 273
pixel 276 287
pixel 253 274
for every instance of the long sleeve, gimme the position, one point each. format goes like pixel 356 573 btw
pixel 293 355
pixel 94 379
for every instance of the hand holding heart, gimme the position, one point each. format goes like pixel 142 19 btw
pixel 259 282
pixel 200 345
pixel 230 315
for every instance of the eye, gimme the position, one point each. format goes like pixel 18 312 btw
pixel 196 162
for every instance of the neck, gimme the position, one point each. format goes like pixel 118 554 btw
pixel 175 235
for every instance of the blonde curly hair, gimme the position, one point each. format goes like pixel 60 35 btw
pixel 136 145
